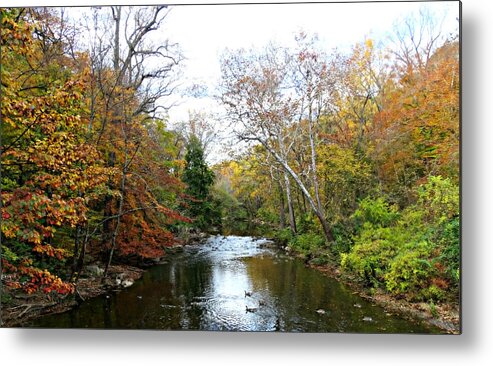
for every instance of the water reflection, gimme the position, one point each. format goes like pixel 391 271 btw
pixel 204 289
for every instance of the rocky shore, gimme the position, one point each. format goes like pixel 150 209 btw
pixel 444 316
pixel 21 308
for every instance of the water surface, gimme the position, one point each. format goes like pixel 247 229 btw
pixel 204 288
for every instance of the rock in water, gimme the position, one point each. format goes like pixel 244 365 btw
pixel 367 319
pixel 321 311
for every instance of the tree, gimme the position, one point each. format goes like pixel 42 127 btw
pixel 202 126
pixel 417 133
pixel 416 38
pixel 199 179
pixel 128 76
pixel 256 95
pixel 47 166
pixel 359 81
pixel 85 160
pixel 314 88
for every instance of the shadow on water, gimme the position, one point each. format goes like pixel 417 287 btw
pixel 236 284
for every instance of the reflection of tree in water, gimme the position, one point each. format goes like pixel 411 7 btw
pixel 206 290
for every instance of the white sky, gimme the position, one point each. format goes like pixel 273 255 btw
pixel 205 31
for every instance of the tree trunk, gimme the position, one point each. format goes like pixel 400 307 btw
pixel 292 220
pixel 117 11
pixel 82 254
pixel 287 168
pixel 282 213
pixel 118 218
pixel 76 252
pixel 314 161
pixel 289 197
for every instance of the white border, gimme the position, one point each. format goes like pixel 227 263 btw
pixel 474 347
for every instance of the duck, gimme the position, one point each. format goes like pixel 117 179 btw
pixel 250 310
pixel 248 293
pixel 261 302
pixel 127 283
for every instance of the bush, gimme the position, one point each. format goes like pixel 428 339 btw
pixel 431 293
pixel 343 237
pixel 450 256
pixel 267 215
pixel 307 244
pixel 410 271
pixel 415 252
pixel 439 199
pixel 307 223
pixel 320 261
pixel 283 236
pixel 371 254
pixel 376 212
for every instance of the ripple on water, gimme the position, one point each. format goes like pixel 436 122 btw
pixel 204 288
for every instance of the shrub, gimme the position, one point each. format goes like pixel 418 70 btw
pixel 376 212
pixel 410 271
pixel 432 292
pixel 319 261
pixel 439 199
pixel 307 244
pixel 267 215
pixel 415 252
pixel 307 223
pixel 343 237
pixel 283 236
pixel 371 254
pixel 450 255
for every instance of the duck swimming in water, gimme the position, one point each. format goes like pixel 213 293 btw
pixel 250 310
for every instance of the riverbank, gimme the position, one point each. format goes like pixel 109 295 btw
pixel 444 316
pixel 21 308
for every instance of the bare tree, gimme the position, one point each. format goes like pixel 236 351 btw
pixel 313 85
pixel 262 105
pixel 415 40
pixel 202 125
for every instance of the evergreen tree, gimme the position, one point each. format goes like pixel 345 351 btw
pixel 199 179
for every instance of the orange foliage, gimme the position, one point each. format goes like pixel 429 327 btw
pixel 416 134
pixel 46 162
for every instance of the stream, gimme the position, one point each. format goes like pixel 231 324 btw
pixel 234 283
